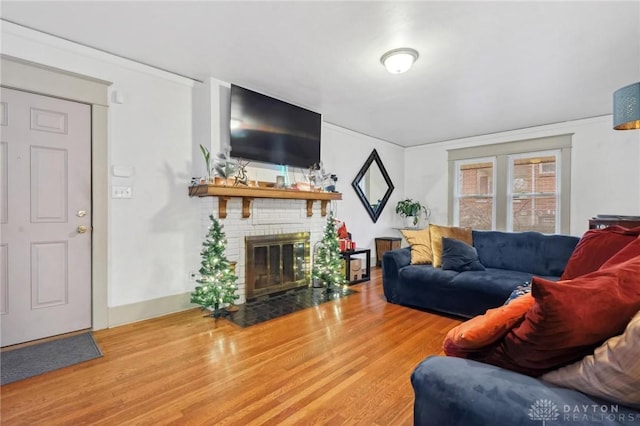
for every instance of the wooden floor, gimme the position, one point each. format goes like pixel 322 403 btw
pixel 343 362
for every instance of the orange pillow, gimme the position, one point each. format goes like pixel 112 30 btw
pixel 485 329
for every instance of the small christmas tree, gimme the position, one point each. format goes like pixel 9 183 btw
pixel 327 262
pixel 217 280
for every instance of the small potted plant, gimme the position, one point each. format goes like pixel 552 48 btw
pixel 225 168
pixel 207 160
pixel 411 211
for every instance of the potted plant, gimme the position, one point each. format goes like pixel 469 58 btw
pixel 207 160
pixel 225 167
pixel 411 211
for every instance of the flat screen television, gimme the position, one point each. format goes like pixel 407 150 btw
pixel 273 131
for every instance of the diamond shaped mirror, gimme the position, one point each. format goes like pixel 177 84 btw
pixel 373 186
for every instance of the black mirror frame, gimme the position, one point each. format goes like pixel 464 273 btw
pixel 355 184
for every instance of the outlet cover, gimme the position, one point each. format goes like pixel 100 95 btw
pixel 121 192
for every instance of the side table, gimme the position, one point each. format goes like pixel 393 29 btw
pixel 348 257
pixel 601 223
pixel 385 244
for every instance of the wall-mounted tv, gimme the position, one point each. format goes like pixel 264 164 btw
pixel 273 131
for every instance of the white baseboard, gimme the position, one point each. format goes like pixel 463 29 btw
pixel 125 314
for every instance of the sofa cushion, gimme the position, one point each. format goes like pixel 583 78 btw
pixel 469 293
pixel 420 242
pixel 459 256
pixel 569 320
pixel 419 280
pixel 459 392
pixel 629 251
pixel 438 231
pixel 490 287
pixel 483 330
pixel 612 372
pixel 596 247
pixel 539 254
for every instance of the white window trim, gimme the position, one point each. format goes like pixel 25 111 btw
pixel 500 151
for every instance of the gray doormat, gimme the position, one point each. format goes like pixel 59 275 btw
pixel 40 358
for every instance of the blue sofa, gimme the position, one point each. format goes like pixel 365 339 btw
pixel 454 391
pixel 510 259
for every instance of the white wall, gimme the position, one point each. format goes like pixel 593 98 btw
pixel 605 173
pixel 343 153
pixel 154 237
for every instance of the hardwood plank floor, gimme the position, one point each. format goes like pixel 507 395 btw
pixel 343 362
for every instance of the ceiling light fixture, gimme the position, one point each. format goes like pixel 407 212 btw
pixel 397 61
pixel 626 107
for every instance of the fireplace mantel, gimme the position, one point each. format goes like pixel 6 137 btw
pixel 248 193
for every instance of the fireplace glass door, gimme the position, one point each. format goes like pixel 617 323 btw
pixel 276 263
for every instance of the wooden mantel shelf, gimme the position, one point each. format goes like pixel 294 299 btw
pixel 248 193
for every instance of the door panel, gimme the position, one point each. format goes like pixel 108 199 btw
pixel 4 191
pixel 48 121
pixel 49 278
pixel 49 183
pixel 4 279
pixel 46 178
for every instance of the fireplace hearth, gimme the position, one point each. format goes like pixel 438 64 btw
pixel 276 263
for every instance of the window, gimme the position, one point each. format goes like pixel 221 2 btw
pixel 533 198
pixel 513 186
pixel 475 205
pixel 547 168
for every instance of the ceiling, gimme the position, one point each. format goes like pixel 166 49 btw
pixel 484 67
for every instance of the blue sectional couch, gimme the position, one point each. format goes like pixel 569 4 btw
pixel 453 391
pixel 510 259
pixel 459 392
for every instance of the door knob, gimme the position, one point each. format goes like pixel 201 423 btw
pixel 82 229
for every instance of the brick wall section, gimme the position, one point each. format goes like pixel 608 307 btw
pixel 268 217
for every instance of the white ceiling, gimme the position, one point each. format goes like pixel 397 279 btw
pixel 484 67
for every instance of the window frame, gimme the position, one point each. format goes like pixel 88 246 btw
pixel 501 151
pixel 511 159
pixel 457 196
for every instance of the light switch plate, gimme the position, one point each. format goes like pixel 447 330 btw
pixel 121 192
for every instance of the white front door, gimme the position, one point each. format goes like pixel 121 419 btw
pixel 45 252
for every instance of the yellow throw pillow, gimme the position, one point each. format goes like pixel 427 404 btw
pixel 420 243
pixel 436 234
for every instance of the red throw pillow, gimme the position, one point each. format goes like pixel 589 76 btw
pixel 569 320
pixel 629 251
pixel 595 248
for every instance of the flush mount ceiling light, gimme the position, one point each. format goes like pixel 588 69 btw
pixel 626 107
pixel 397 61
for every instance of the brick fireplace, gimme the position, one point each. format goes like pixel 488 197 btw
pixel 269 217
